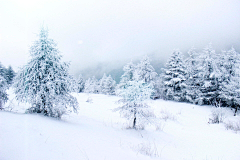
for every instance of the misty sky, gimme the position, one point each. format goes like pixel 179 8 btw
pixel 89 32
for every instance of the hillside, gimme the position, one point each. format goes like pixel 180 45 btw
pixel 98 133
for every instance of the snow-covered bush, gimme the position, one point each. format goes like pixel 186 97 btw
pixel 134 107
pixel 217 115
pixel 45 82
pixel 89 100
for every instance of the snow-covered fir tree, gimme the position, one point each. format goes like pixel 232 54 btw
pixel 144 71
pixel 193 80
pixel 10 74
pixel 102 83
pixel 230 69
pixel 3 93
pixel 158 88
pixel 108 86
pixel 3 71
pixel 45 82
pixel 3 86
pixel 211 76
pixel 133 103
pixel 89 86
pixel 80 84
pixel 127 76
pixel 73 84
pixel 174 78
pixel 92 85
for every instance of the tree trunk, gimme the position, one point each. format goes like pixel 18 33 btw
pixel 134 119
pixel 235 111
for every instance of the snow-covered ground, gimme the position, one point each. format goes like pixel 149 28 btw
pixel 98 133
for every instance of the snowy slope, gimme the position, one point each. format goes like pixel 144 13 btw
pixel 98 133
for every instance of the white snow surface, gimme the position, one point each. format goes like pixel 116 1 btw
pixel 98 133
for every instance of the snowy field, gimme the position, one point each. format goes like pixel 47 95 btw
pixel 98 133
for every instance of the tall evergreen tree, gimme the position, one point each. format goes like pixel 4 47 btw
pixel 102 84
pixel 3 93
pixel 193 80
pixel 158 88
pixel 210 72
pixel 45 82
pixel 174 78
pixel 92 85
pixel 230 89
pixel 127 76
pixel 108 87
pixel 145 72
pixel 10 74
pixel 2 71
pixel 80 84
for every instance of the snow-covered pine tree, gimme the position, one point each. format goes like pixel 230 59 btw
pixel 80 84
pixel 44 82
pixel 102 84
pixel 230 69
pixel 92 85
pixel 73 84
pixel 88 87
pixel 174 78
pixel 3 93
pixel 158 87
pixel 3 86
pixel 193 80
pixel 133 103
pixel 127 76
pixel 144 71
pixel 108 86
pixel 211 75
pixel 3 71
pixel 10 74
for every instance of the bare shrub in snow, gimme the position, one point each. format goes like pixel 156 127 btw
pixel 147 148
pixel 160 125
pixel 167 115
pixel 217 115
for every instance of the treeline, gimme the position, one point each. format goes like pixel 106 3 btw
pixel 203 78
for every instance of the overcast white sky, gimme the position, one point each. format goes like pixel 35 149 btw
pixel 95 31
